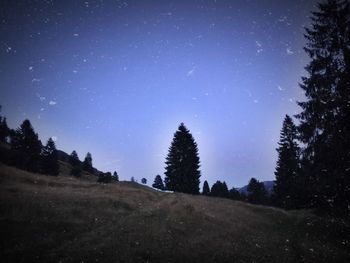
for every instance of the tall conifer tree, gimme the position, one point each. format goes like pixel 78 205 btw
pixel 158 182
pixel 257 193
pixel 74 159
pixel 4 129
pixel 182 163
pixel 50 158
pixel 87 163
pixel 26 141
pixel 206 189
pixel 324 120
pixel 286 186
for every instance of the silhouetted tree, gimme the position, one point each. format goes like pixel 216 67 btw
pixel 105 178
pixel 115 176
pixel 132 179
pixel 26 141
pixel 256 192
pixel 144 181
pixel 234 194
pixel 4 129
pixel 50 158
pixel 219 189
pixel 158 182
pixel 286 191
pixel 87 163
pixel 206 189
pixel 244 196
pixel 324 120
pixel 74 159
pixel 182 163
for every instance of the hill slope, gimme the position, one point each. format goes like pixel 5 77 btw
pixel 63 219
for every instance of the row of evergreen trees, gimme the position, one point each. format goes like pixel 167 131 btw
pixel 182 173
pixel 313 169
pixel 256 191
pixel 28 153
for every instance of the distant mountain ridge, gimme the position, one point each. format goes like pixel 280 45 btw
pixel 268 186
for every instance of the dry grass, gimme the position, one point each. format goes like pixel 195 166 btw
pixel 64 219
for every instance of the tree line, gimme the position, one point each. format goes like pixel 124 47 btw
pixel 27 152
pixel 182 173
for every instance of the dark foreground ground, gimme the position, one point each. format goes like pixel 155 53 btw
pixel 63 219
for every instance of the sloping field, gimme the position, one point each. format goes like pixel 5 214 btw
pixel 64 219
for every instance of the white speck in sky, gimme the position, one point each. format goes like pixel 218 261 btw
pixel 36 80
pixel 52 103
pixel 191 72
pixel 259 46
pixel 282 19
pixel 41 98
pixel 289 51
pixel 8 49
pixel 279 88
pixel 75 71
pixel 256 101
pixel 30 68
pixel 54 138
pixel 76 35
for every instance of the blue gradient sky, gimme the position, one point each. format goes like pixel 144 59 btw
pixel 116 78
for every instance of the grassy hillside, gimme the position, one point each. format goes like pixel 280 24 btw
pixel 64 219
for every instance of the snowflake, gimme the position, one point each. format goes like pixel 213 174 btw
pixel 289 51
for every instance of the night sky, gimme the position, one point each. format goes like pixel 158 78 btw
pixel 116 78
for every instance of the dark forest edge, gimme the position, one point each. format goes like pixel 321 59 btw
pixel 313 167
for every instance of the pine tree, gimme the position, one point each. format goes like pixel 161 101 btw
pixel 76 164
pixel 219 189
pixel 26 141
pixel 115 176
pixel 324 120
pixel 87 163
pixel 4 129
pixel 234 194
pixel 74 159
pixel 50 158
pixel 182 163
pixel 287 183
pixel 257 193
pixel 206 189
pixel 158 182
pixel 144 181
pixel 104 178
